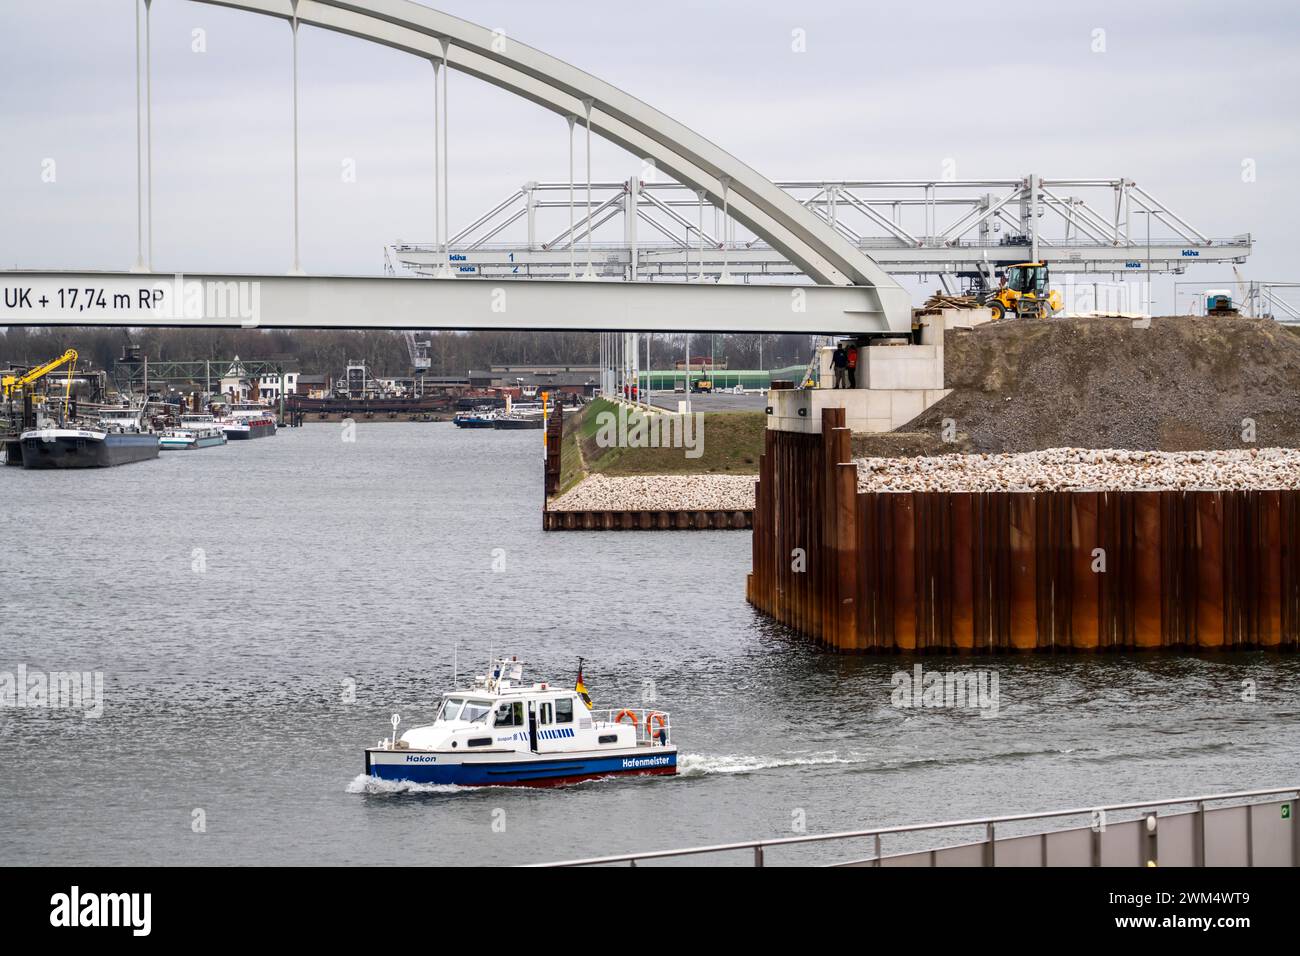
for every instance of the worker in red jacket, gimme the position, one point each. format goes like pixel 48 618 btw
pixel 853 366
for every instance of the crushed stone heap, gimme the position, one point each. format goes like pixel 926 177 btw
pixel 1183 384
pixel 1080 469
pixel 659 493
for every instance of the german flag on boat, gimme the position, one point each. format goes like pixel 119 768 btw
pixel 581 687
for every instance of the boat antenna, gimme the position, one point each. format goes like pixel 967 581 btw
pixel 455 680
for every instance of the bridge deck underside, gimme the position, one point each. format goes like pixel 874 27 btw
pixel 223 301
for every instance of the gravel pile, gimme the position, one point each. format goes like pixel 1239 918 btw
pixel 1067 469
pixel 659 493
pixel 1183 384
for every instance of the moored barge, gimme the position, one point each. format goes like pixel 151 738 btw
pixel 85 448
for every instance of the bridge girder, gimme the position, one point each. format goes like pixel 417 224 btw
pixel 384 302
pixel 742 261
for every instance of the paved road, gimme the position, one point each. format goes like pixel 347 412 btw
pixel 719 402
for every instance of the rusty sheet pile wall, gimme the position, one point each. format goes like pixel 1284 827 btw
pixel 1016 571
pixel 554 450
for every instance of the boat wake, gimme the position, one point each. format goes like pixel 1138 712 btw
pixel 363 783
pixel 698 765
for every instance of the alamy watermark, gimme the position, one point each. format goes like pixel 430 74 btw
pixel 633 428
pixel 193 299
pixel 131 911
pixel 948 689
pixel 55 690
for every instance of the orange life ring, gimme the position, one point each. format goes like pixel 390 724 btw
pixel 650 722
pixel 625 713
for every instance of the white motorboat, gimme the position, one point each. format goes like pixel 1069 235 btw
pixel 500 732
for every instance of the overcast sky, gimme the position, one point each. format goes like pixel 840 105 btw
pixel 1183 93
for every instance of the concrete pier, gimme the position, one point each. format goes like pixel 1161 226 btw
pixel 895 381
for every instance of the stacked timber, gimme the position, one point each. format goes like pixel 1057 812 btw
pixel 941 300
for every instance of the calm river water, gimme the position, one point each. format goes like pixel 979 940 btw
pixel 258 611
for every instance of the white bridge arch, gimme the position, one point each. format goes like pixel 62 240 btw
pixel 851 293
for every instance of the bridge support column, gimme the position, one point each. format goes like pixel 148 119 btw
pixel 631 202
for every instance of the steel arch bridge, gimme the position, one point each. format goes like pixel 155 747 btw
pixel 850 292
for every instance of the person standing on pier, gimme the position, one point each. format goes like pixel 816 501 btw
pixel 840 363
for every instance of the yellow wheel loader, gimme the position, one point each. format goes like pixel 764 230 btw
pixel 1025 292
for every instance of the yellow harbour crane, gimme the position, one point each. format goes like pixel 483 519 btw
pixel 10 384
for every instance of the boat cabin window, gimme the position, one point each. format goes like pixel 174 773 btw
pixel 564 710
pixel 510 714
pixel 475 710
pixel 544 712
pixel 451 708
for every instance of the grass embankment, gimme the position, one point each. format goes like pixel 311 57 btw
pixel 572 468
pixel 730 444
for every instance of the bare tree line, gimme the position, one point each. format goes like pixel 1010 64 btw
pixel 327 351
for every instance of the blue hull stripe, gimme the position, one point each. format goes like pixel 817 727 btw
pixel 524 771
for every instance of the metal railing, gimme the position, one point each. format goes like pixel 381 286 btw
pixel 865 242
pixel 641 720
pixel 760 848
